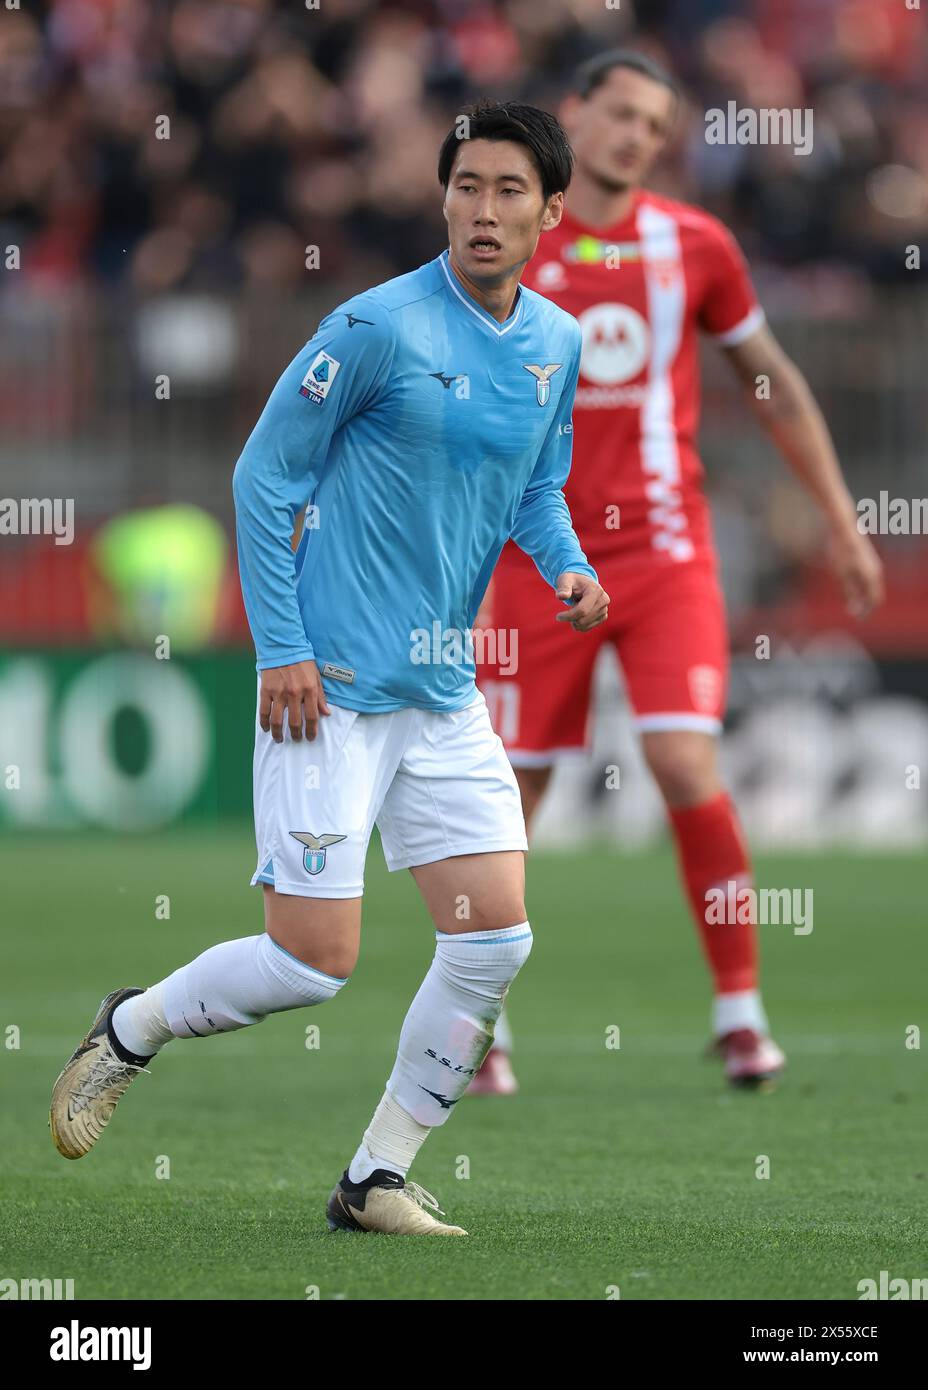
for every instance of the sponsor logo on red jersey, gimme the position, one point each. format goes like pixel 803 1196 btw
pixel 642 291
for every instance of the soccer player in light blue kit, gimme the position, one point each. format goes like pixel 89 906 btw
pixel 426 422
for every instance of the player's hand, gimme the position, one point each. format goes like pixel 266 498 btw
pixel 294 692
pixel 590 601
pixel 859 570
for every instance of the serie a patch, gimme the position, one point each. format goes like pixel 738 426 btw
pixel 318 380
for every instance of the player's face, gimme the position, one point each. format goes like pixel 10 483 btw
pixel 619 130
pixel 495 209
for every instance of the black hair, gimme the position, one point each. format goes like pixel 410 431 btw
pixel 539 131
pixel 594 71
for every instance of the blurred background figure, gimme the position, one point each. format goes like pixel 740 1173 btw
pixel 158 571
pixel 155 572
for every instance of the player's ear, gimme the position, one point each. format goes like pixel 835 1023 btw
pixel 553 212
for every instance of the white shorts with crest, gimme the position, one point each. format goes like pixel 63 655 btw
pixel 436 783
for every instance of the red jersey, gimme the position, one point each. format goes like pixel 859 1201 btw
pixel 640 290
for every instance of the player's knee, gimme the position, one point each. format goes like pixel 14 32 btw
pixel 292 982
pixel 484 967
pixel 323 933
pixel 497 916
pixel 337 960
pixel 522 949
pixel 684 767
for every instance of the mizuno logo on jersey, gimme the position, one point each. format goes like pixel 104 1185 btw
pixel 445 380
pixel 352 321
pixel 543 377
pixel 318 380
pixel 338 673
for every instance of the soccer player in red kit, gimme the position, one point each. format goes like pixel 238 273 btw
pixel 644 275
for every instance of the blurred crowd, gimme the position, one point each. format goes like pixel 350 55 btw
pixel 205 144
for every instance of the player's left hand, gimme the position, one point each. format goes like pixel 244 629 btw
pixel 590 605
pixel 859 570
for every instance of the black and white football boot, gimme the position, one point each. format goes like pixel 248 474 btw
pixel 385 1202
pixel 92 1083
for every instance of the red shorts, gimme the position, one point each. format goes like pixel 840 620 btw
pixel 666 622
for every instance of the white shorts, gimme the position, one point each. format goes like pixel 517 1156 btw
pixel 436 783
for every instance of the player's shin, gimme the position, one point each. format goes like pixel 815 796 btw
pixel 445 1037
pixel 229 986
pixel 712 853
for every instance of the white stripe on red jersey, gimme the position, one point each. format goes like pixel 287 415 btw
pixel 641 291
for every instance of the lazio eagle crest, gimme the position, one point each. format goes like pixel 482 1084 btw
pixel 543 377
pixel 314 848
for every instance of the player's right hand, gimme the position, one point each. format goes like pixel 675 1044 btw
pixel 859 570
pixel 294 692
pixel 589 601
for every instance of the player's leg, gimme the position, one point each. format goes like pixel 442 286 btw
pixel 539 705
pixel 454 819
pixel 674 656
pixel 323 933
pixel 229 986
pixel 312 915
pixel 448 1028
pixel 496 1076
pixel 476 956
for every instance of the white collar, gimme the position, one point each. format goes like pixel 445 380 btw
pixel 469 303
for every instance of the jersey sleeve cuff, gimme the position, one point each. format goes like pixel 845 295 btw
pixel 270 663
pixel 580 568
pixel 748 325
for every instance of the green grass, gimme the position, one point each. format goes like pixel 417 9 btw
pixel 632 1167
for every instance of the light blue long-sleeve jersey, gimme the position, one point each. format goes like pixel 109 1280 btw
pixel 421 434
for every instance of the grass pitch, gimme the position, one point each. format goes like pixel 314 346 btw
pixel 630 1168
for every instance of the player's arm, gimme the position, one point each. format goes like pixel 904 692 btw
pixel 335 376
pixel 543 528
pixel 791 417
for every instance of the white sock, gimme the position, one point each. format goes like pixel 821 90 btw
pixel 502 1034
pixel 741 1010
pixel 142 1028
pixel 391 1140
pixel 449 1027
pixel 230 986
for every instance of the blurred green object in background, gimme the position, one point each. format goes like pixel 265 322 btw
pixel 158 573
